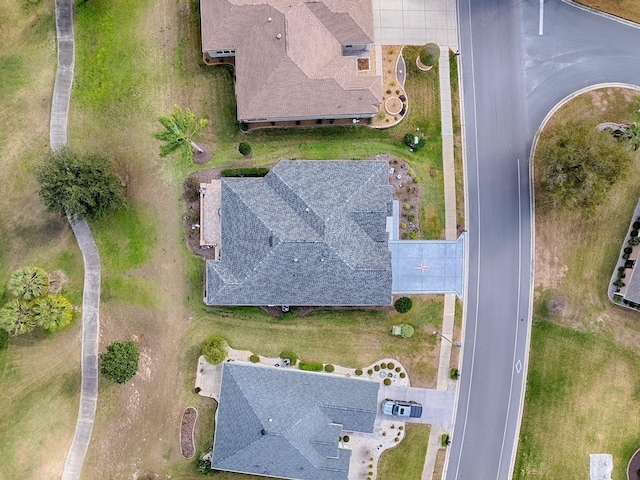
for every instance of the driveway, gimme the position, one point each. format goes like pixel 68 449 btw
pixel 415 22
pixel 437 405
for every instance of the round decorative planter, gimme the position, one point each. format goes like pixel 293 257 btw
pixel 422 66
pixel 393 105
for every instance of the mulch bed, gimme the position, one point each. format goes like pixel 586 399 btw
pixel 633 472
pixel 187 427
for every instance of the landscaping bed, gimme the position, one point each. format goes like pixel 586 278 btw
pixel 187 428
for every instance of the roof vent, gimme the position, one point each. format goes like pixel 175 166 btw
pixel 295 260
pixel 263 432
pixel 306 209
pixel 279 36
pixel 269 19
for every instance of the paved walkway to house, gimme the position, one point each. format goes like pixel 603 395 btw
pixel 91 292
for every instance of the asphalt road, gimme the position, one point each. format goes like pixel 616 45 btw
pixel 512 78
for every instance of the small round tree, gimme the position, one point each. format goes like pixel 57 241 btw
pixel 429 54
pixel 215 350
pixel 245 149
pixel 403 304
pixel 120 362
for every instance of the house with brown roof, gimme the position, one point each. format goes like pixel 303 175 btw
pixel 295 59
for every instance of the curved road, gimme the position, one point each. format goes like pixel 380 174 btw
pixel 91 292
pixel 512 77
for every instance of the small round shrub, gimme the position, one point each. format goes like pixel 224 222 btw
pixel 402 374
pixel 387 381
pixel 245 148
pixel 215 350
pixel 634 241
pixel 120 362
pixel 634 233
pixel 403 304
pixel 410 139
pixel 291 356
pixel 329 368
pixel 398 369
pixel 627 250
pixel 636 225
pixel 376 368
pixel 411 218
pixel 391 365
pixel 345 439
pixel 370 465
pixel 358 372
pixel 383 366
pixel 625 256
pixel 429 54
pixel 254 358
pixel 370 372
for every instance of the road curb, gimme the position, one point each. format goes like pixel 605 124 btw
pixel 600 13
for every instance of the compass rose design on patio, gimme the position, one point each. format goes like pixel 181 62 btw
pixel 422 267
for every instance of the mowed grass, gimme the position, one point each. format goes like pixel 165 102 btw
pixel 629 9
pixel 406 461
pixel 583 396
pixel 39 374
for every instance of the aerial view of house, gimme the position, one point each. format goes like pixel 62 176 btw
pixel 308 233
pixel 287 423
pixel 294 60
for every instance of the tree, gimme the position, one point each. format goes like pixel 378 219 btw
pixel 120 362
pixel 403 304
pixel 576 167
pixel 245 149
pixel 633 135
pixel 52 312
pixel 429 54
pixel 79 185
pixel 28 283
pixel 16 317
pixel 215 350
pixel 181 127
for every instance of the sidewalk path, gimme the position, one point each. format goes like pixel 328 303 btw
pixel 91 293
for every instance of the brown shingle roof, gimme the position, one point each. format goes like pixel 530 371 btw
pixel 303 73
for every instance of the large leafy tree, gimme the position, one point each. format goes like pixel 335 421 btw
pixel 28 283
pixel 120 362
pixel 79 185
pixel 576 167
pixel 52 312
pixel 180 129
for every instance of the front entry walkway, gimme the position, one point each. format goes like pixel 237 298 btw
pixel 427 266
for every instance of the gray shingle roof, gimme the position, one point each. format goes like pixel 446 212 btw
pixel 309 233
pixel 286 423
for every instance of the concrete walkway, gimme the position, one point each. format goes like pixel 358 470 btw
pixel 91 293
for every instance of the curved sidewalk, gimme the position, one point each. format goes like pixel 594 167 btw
pixel 91 293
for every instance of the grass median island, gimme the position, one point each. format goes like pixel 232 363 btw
pixel 582 387
pixel 582 398
pixel 406 461
pixel 628 9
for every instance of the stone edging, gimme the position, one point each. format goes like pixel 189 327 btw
pixel 422 66
pixel 386 106
pixel 193 432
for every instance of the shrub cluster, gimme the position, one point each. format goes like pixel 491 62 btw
pixel 311 366
pixel 291 356
pixel 329 368
pixel 254 358
pixel 358 372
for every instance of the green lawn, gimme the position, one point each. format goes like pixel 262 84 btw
pixel 406 461
pixel 583 396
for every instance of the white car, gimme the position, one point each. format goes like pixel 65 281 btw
pixel 398 408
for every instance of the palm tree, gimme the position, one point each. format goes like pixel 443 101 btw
pixel 52 312
pixel 180 129
pixel 28 283
pixel 633 135
pixel 16 317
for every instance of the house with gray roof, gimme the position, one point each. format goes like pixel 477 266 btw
pixel 287 423
pixel 309 233
pixel 294 59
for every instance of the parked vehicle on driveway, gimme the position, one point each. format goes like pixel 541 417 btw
pixel 399 408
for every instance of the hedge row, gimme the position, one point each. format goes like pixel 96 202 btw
pixel 245 172
pixel 311 366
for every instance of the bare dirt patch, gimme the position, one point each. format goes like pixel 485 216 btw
pixel 187 428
